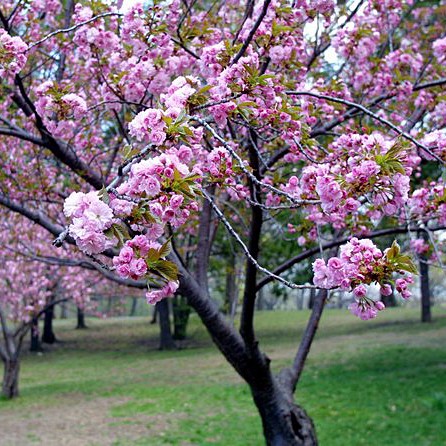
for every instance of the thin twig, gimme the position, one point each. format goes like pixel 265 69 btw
pixel 245 249
pixel 73 28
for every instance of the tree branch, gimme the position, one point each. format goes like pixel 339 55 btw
pixel 251 34
pixel 313 251
pixel 371 114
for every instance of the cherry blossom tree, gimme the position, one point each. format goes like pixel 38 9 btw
pixel 151 128
pixel 32 282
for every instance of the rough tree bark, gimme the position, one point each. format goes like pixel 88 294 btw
pixel 10 384
pixel 80 319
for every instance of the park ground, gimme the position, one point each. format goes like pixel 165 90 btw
pixel 374 383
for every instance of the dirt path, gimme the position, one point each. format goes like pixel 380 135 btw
pixel 82 423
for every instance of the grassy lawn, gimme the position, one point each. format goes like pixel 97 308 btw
pixel 373 383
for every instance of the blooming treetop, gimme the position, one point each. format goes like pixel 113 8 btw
pixel 161 110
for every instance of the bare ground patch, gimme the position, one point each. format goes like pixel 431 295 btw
pixel 77 422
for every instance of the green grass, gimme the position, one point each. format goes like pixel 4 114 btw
pixel 373 383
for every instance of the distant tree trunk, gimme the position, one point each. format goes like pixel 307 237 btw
pixel 166 340
pixel 312 297
pixel 48 336
pixel 80 319
pixel 426 315
pixel 134 305
pixel 260 301
pixel 181 312
pixel 63 310
pixel 300 297
pixel 35 345
pixel 10 384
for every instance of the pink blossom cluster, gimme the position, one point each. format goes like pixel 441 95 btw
pixel 76 105
pixel 168 290
pixel 355 176
pixel 181 89
pixel 401 285
pixel 219 164
pixel 419 246
pixel 439 49
pixel 149 126
pixel 91 217
pixel 57 111
pixel 360 263
pixel 366 309
pixel 12 54
pixel 428 203
pixel 130 263
pixel 155 179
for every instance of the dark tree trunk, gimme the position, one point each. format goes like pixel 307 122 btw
pixel 80 319
pixel 48 336
pixel 134 305
pixel 166 339
pixel 10 385
pixel 426 315
pixel 232 292
pixel 181 312
pixel 424 283
pixel 35 345
pixel 284 423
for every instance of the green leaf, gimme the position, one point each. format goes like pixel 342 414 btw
pixel 393 251
pixel 152 256
pixel 405 263
pixel 130 152
pixel 166 249
pixel 120 233
pixel 166 269
pixel 103 195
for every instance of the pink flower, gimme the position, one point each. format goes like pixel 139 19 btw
pixel 363 310
pixel 360 291
pixel 380 305
pixel 126 255
pixel 157 137
pixel 176 201
pixel 138 267
pixel 386 289
pixel 123 270
pixel 400 285
pixel 334 263
pixel 152 186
